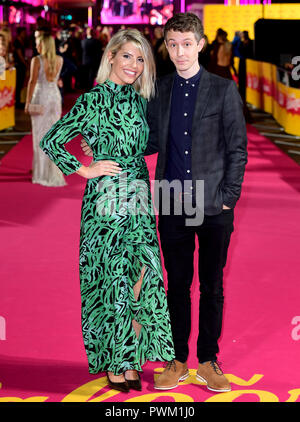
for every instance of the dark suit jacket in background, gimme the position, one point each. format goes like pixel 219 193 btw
pixel 219 138
pixel 91 52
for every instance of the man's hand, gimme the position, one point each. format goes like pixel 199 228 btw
pixel 85 148
pixel 225 207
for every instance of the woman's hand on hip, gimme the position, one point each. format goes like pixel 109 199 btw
pixel 100 168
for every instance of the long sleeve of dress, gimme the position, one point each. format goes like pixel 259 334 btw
pixel 63 131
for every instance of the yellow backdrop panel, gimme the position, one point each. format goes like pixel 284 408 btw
pixel 7 94
pixel 266 93
pixel 242 18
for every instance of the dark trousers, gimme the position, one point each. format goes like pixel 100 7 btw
pixel 178 245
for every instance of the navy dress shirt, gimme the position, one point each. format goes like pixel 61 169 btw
pixel 179 160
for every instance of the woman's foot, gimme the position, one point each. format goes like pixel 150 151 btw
pixel 131 374
pixel 133 379
pixel 115 378
pixel 117 382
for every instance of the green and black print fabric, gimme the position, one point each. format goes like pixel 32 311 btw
pixel 115 241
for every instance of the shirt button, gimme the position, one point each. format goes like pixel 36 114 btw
pixel 185 114
pixel 181 84
pixel 186 82
pixel 191 187
pixel 186 94
pixel 193 84
pixel 186 152
pixel 188 171
pixel 185 133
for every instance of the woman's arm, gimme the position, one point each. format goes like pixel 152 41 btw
pixel 34 73
pixel 64 131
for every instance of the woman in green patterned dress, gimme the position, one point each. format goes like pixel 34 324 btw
pixel 125 318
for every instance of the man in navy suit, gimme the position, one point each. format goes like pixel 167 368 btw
pixel 198 129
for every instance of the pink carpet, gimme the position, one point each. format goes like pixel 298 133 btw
pixel 42 357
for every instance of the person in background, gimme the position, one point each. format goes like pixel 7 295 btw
pixel 164 66
pixel 20 64
pixel 91 56
pixel 68 70
pixel 6 32
pixel 74 42
pixel 8 57
pixel 147 34
pixel 42 91
pixel 3 45
pixel 236 44
pixel 204 54
pixel 221 58
pixel 42 27
pixel 158 38
pixel 246 52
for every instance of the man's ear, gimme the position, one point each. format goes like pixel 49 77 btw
pixel 201 44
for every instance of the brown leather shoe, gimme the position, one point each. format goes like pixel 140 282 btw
pixel 174 372
pixel 211 373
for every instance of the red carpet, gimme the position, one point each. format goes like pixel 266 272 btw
pixel 42 357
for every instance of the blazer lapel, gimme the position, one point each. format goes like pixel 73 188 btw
pixel 165 97
pixel 201 100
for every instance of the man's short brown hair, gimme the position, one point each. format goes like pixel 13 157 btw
pixel 185 22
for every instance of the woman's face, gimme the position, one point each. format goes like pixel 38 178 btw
pixel 127 64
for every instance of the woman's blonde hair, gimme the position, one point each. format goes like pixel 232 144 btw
pixel 48 51
pixel 145 84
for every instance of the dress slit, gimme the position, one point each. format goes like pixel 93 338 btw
pixel 136 291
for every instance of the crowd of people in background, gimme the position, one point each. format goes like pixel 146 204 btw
pixel 81 48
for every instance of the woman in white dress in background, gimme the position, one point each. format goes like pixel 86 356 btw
pixel 43 91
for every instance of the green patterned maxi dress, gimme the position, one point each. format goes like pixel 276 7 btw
pixel 118 233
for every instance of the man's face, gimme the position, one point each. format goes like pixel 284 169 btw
pixel 183 49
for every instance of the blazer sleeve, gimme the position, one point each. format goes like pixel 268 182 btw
pixel 235 135
pixel 63 131
pixel 152 120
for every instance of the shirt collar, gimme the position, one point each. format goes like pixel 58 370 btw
pixel 193 80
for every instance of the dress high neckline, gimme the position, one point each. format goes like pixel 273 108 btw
pixel 117 87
